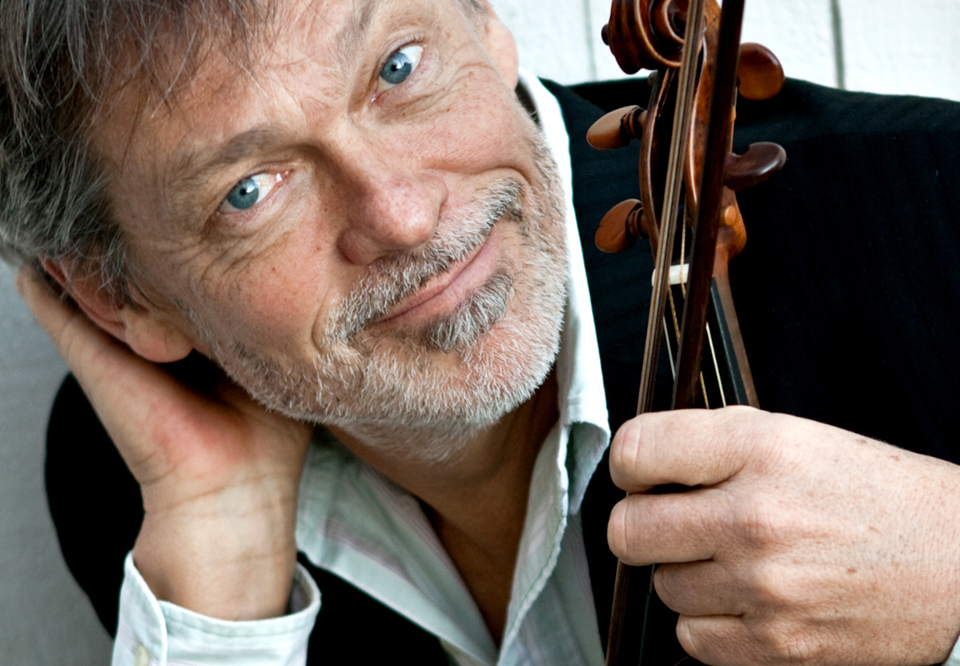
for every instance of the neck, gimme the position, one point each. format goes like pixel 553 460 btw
pixel 477 502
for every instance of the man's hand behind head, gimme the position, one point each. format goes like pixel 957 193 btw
pixel 219 474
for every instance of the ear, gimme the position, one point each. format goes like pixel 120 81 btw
pixel 146 329
pixel 501 45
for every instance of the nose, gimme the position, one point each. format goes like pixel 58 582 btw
pixel 392 204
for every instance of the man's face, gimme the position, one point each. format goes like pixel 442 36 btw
pixel 362 230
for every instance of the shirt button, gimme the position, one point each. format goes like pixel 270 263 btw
pixel 142 657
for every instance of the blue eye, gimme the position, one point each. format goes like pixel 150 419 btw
pixel 401 65
pixel 249 192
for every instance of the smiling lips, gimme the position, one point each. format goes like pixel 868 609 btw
pixel 447 290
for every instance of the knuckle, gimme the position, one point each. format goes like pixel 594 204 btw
pixel 770 586
pixel 782 643
pixel 760 520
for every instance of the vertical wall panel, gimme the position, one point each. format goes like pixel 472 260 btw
pixel 911 47
pixel 889 46
pixel 551 36
pixel 798 32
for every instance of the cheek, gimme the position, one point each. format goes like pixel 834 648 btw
pixel 275 302
pixel 482 129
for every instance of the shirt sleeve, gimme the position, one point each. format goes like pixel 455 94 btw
pixel 157 633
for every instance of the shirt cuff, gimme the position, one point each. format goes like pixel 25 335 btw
pixel 155 633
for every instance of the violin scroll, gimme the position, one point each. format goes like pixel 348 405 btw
pixel 646 34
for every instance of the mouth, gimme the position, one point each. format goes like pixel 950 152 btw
pixel 443 293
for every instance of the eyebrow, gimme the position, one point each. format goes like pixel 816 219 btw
pixel 191 169
pixel 355 31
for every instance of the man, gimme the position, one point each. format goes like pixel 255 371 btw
pixel 352 214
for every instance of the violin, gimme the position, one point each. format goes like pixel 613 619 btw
pixel 688 176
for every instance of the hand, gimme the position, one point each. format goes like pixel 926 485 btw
pixel 801 543
pixel 218 473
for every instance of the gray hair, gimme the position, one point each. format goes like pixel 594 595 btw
pixel 57 62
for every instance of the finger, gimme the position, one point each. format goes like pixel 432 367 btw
pixel 675 527
pixel 93 356
pixel 689 447
pixel 699 589
pixel 123 388
pixel 719 640
pixel 727 640
pixel 60 321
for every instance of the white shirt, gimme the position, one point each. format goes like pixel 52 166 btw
pixel 359 525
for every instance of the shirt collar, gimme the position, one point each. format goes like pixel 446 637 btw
pixel 582 401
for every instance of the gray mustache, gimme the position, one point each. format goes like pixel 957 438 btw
pixel 394 277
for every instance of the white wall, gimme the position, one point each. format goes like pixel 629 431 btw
pixel 45 620
pixel 877 45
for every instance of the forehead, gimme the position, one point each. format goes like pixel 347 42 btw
pixel 314 54
pixel 233 54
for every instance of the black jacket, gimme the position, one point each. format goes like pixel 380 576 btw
pixel 848 295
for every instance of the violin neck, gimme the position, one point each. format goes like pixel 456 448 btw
pixel 735 374
pixel 725 378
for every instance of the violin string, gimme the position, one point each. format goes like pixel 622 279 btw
pixel 674 181
pixel 666 337
pixel 716 368
pixel 687 222
pixel 714 359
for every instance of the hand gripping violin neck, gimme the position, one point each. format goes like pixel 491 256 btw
pixel 688 176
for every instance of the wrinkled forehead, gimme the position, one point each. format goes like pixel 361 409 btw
pixel 162 54
pixel 166 79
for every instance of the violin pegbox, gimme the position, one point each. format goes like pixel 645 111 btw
pixel 625 222
pixel 617 128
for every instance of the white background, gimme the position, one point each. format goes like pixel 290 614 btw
pixel 876 45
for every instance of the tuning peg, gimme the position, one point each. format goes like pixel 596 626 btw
pixel 761 74
pixel 620 227
pixel 617 128
pixel 761 161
